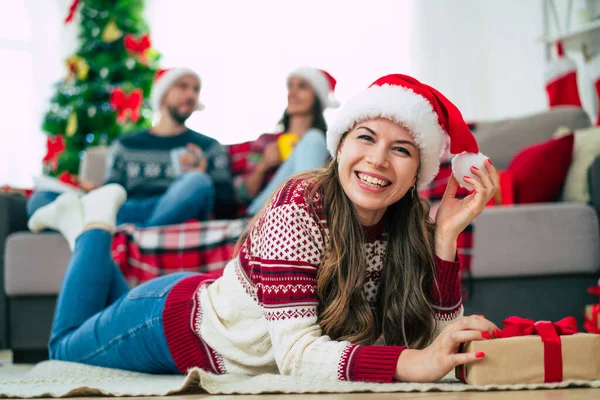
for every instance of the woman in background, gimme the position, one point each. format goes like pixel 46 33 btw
pixel 299 147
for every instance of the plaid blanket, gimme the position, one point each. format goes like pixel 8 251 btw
pixel 146 253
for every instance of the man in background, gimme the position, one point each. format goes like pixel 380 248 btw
pixel 170 172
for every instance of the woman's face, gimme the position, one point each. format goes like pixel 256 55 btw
pixel 301 97
pixel 378 162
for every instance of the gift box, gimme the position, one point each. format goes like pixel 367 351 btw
pixel 533 352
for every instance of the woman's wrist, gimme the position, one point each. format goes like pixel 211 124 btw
pixel 408 366
pixel 445 245
pixel 261 168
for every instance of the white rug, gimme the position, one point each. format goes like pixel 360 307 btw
pixel 62 379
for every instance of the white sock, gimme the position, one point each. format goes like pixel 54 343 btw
pixel 101 206
pixel 65 214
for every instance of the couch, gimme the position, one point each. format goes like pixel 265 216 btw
pixel 531 260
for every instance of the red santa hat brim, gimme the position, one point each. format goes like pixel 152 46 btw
pixel 320 83
pixel 165 79
pixel 402 106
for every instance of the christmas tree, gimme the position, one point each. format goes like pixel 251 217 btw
pixel 107 83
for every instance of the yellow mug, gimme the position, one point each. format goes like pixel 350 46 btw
pixel 286 143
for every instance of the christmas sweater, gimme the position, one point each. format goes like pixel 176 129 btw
pixel 261 315
pixel 142 164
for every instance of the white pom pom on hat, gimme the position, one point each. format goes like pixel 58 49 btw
pixel 429 116
pixel 164 79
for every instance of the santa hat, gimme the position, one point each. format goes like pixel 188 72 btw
pixel 321 81
pixel 561 80
pixel 164 79
pixel 429 116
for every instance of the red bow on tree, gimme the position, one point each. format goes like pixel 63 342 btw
pixel 550 334
pixel 72 10
pixel 138 45
pixel 55 145
pixel 127 105
pixel 68 178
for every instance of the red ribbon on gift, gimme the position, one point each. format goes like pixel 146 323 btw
pixel 591 324
pixel 127 104
pixel 550 333
pixel 138 45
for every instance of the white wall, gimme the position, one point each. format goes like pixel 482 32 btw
pixel 484 55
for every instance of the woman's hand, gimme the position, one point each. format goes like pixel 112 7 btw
pixel 454 214
pixel 271 158
pixel 440 357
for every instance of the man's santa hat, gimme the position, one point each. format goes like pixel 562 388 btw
pixel 321 81
pixel 429 116
pixel 164 79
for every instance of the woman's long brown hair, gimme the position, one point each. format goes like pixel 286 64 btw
pixel 403 314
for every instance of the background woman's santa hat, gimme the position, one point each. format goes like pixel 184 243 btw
pixel 429 116
pixel 164 79
pixel 321 81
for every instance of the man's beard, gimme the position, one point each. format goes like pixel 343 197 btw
pixel 177 116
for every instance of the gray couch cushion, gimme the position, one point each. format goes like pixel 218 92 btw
pixel 502 140
pixel 34 264
pixel 539 239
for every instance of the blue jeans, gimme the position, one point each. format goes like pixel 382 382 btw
pixel 99 321
pixel 191 196
pixel 310 153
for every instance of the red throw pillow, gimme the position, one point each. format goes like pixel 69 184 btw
pixel 539 171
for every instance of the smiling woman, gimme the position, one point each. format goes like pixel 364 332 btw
pixel 339 261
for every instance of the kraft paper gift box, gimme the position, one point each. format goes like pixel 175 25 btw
pixel 533 352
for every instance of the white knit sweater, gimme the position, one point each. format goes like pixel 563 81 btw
pixel 260 316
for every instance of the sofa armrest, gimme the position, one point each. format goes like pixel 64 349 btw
pixel 593 175
pixel 13 218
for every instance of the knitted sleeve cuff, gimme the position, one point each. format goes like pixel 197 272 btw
pixel 369 363
pixel 446 293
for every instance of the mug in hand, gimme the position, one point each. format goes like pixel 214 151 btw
pixel 176 164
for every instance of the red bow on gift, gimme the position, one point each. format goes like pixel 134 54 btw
pixel 55 145
pixel 595 290
pixel 127 105
pixel 550 334
pixel 138 45
pixel 72 10
pixel 591 324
